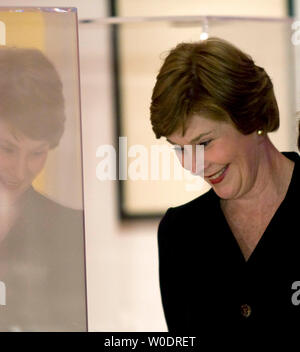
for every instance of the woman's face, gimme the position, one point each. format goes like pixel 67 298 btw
pixel 21 160
pixel 230 157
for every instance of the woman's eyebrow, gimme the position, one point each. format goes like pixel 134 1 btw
pixel 200 136
pixel 194 139
pixel 8 142
pixel 170 141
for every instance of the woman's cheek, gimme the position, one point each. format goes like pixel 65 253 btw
pixel 37 164
pixel 218 153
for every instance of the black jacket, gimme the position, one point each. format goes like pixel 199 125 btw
pixel 42 266
pixel 208 288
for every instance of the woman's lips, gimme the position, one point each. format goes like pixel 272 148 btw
pixel 10 184
pixel 218 176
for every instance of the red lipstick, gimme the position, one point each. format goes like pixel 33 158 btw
pixel 220 178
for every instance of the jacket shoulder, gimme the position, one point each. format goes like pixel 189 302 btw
pixel 42 215
pixel 44 206
pixel 184 217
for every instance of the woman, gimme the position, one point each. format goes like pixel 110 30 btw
pixel 41 241
pixel 228 260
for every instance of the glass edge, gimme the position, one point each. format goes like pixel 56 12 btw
pixel 56 9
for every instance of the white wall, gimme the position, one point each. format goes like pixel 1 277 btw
pixel 259 8
pixel 123 292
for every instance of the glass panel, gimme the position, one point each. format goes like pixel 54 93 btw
pixel 267 40
pixel 42 269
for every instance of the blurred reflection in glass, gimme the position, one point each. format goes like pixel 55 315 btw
pixel 41 241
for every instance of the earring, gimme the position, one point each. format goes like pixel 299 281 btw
pixel 260 132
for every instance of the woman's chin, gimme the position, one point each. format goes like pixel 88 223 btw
pixel 223 193
pixel 10 196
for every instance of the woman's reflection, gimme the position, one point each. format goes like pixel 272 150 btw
pixel 41 241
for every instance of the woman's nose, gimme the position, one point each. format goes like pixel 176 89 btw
pixel 206 164
pixel 193 159
pixel 198 162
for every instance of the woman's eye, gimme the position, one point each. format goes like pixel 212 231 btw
pixel 205 143
pixel 178 149
pixel 7 150
pixel 181 149
pixel 38 153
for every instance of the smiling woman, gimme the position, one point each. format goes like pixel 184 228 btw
pixel 41 241
pixel 219 253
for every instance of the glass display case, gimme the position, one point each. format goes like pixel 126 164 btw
pixel 42 259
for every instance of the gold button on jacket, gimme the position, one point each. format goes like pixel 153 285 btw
pixel 245 310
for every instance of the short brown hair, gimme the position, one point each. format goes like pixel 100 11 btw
pixel 31 96
pixel 217 80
